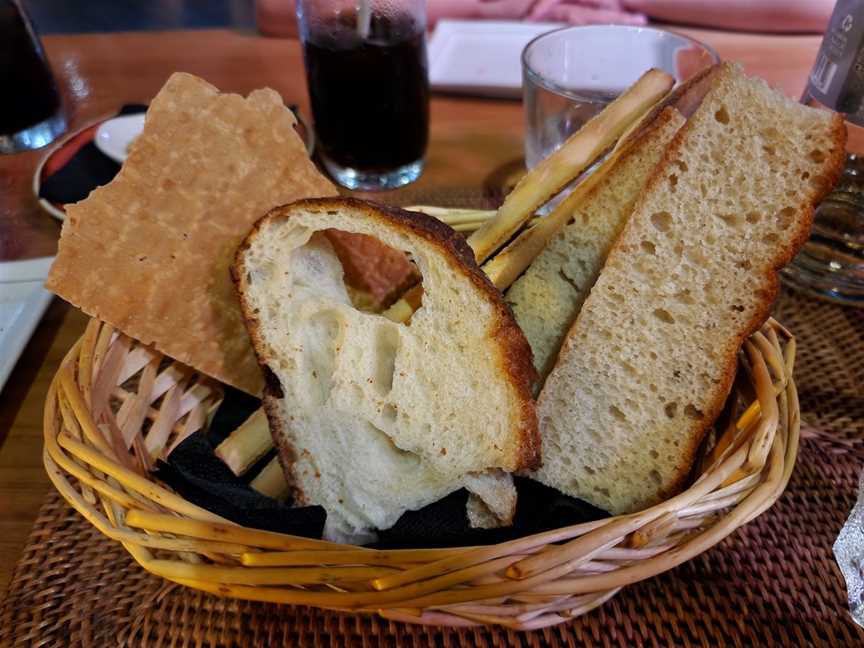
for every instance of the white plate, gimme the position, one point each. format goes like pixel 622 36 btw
pixel 23 301
pixel 115 135
pixel 481 57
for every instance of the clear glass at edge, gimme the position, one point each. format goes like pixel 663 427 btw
pixel 830 265
pixel 571 74
pixel 367 75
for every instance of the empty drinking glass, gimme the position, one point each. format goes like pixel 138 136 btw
pixel 571 74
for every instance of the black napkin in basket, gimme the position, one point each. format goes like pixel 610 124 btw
pixel 198 475
pixel 88 169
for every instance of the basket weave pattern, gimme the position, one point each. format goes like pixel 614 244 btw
pixel 115 406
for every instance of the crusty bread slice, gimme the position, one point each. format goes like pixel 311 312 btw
pixel 371 417
pixel 548 296
pixel 648 364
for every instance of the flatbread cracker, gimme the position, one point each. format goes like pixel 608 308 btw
pixel 149 252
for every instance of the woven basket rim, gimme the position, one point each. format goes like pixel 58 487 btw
pixel 97 457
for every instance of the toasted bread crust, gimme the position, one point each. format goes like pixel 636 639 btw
pixel 271 393
pixel 684 98
pixel 514 353
pixel 284 451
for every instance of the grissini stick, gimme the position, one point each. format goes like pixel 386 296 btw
pixel 560 168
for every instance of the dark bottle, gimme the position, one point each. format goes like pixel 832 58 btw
pixel 30 112
pixel 370 96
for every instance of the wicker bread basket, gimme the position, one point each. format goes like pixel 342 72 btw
pixel 116 405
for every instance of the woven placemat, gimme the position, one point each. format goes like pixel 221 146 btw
pixel 774 582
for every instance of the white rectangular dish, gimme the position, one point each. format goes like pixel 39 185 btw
pixel 481 58
pixel 23 301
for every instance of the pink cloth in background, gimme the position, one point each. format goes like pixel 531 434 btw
pixel 278 18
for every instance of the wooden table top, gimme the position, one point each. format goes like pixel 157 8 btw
pixel 469 140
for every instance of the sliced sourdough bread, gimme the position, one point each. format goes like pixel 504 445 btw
pixel 371 417
pixel 649 362
pixel 546 299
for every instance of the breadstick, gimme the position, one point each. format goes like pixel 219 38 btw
pixel 581 150
pixel 247 444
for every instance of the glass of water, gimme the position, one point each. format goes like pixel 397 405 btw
pixel 571 74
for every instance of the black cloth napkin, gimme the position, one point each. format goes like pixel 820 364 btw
pixel 194 471
pixel 88 169
pixel 198 475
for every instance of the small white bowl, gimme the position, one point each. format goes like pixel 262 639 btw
pixel 115 136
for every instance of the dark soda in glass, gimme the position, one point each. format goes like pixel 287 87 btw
pixel 30 111
pixel 370 97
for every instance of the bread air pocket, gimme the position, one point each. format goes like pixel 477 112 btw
pixel 373 417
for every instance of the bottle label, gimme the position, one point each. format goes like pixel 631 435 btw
pixel 837 77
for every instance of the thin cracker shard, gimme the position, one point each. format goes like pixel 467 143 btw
pixel 205 168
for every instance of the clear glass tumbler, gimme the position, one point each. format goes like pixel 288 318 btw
pixel 571 74
pixel 368 83
pixel 31 114
pixel 830 265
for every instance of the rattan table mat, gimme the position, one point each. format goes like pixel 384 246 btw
pixel 772 583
